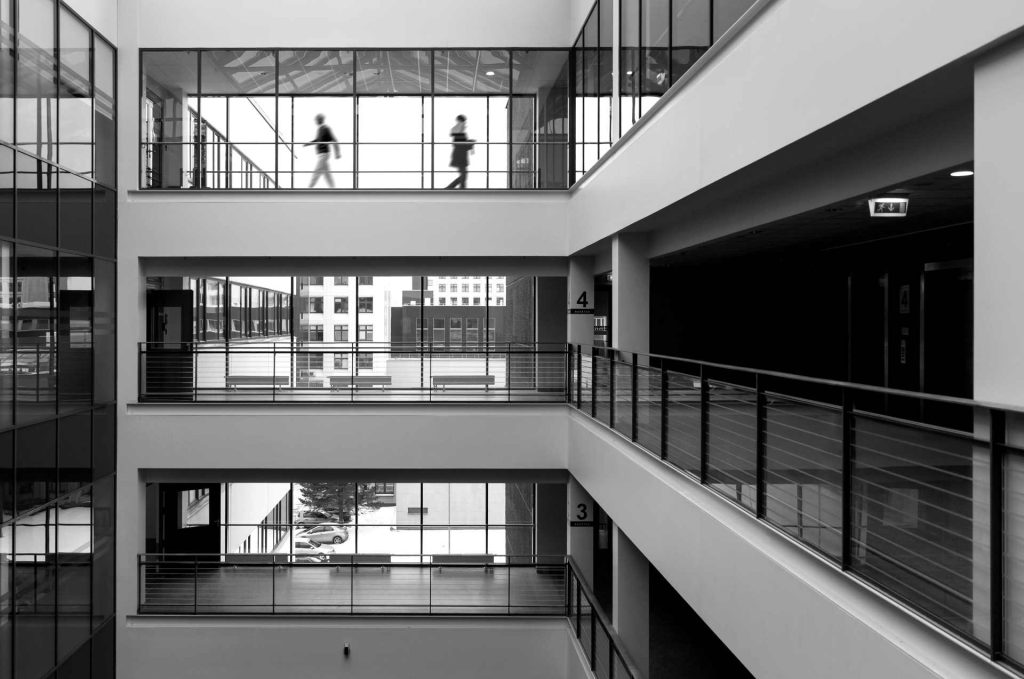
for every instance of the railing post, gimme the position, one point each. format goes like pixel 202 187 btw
pixel 593 637
pixel 139 385
pixel 195 585
pixel 579 377
pixel 273 586
pixel 997 439
pixel 138 586
pixel 579 606
pixel 611 389
pixel 430 583
pixel 847 449
pixel 634 388
pixel 508 565
pixel 704 427
pixel 663 447
pixel 352 586
pixel 273 373
pixel 593 383
pixel 761 457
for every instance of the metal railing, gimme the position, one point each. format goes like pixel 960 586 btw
pixel 352 584
pixel 363 372
pixel 919 496
pixel 602 646
pixel 210 161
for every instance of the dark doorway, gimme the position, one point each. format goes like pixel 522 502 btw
pixel 168 368
pixel 189 519
pixel 603 559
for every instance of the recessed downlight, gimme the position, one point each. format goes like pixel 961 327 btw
pixel 490 72
pixel 962 173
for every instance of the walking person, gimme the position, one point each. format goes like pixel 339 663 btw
pixel 324 140
pixel 462 146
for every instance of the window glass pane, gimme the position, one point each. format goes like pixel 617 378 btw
pixel 169 107
pixel 8 366
pixel 35 586
pixel 304 141
pixel 104 221
pixel 392 71
pixel 6 75
pixel 36 461
pixel 6 192
pixel 36 304
pixel 315 71
pixel 75 332
pixel 6 482
pixel 75 212
pixel 727 12
pixel 103 328
pixel 37 200
pixel 76 107
pixel 471 71
pixel 6 589
pixel 691 23
pixel 540 120
pixel 37 83
pixel 104 130
pixel 74 577
pixel 74 453
pixel 103 549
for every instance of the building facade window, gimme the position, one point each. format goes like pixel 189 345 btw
pixel 341 305
pixel 341 280
pixel 341 362
pixel 366 305
pixel 315 305
pixel 315 333
pixel 365 333
pixel 341 332
pixel 365 280
pixel 364 361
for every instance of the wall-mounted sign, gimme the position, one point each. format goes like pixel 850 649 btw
pixel 581 305
pixel 581 524
pixel 888 207
pixel 904 299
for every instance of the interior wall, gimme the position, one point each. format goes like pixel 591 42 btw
pixel 354 23
pixel 267 648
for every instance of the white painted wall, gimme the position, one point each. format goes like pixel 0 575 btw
pixel 998 238
pixel 248 504
pixel 100 14
pixel 246 648
pixel 354 23
pixel 800 65
pixel 784 613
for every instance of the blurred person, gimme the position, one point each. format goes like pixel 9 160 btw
pixel 462 146
pixel 324 140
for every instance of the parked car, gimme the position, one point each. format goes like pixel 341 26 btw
pixel 308 552
pixel 325 533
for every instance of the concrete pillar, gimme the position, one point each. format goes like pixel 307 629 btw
pixel 631 292
pixel 998 321
pixel 631 599
pixel 581 289
pixel 581 536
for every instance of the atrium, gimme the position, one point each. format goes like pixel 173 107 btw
pixel 626 339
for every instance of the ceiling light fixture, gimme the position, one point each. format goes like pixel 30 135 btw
pixel 962 173
pixel 888 206
pixel 490 72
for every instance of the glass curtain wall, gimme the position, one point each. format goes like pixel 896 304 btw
pixel 660 40
pixel 592 101
pixel 299 119
pixel 57 282
pixel 321 520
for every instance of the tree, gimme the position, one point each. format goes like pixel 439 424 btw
pixel 337 500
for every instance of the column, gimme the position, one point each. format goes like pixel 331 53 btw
pixel 580 518
pixel 580 300
pixel 631 599
pixel 998 321
pixel 631 292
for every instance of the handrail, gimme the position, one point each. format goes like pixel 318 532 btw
pixel 901 488
pixel 820 381
pixel 352 584
pixel 614 641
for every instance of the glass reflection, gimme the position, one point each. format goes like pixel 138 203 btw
pixel 36 79
pixel 75 98
pixel 35 592
pixel 6 75
pixel 7 364
pixel 36 364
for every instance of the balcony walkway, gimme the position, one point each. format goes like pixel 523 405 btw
pixel 189 587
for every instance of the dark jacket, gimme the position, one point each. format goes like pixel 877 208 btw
pixel 461 146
